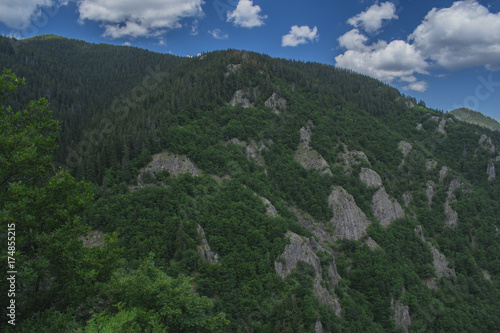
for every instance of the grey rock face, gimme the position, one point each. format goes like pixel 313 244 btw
pixel 349 220
pixel 303 249
pixel 270 209
pixel 492 175
pixel 430 164
pixel 442 126
pixel 443 173
pixel 451 216
pixel 308 157
pixel 430 192
pixel 441 264
pixel 204 249
pixel 405 147
pixel 420 127
pixel 386 209
pixel 318 229
pixel 407 196
pixel 370 178
pixel 241 97
pixel 276 103
pixel 486 143
pixel 175 164
pixel 401 315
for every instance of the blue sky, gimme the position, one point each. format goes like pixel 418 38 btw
pixel 446 53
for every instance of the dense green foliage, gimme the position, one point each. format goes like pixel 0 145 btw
pixel 116 115
pixel 476 118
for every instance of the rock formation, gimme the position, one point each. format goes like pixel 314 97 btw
pixel 348 219
pixel 370 178
pixel 276 103
pixel 303 249
pixel 308 157
pixel 204 249
pixel 385 208
pixel 401 315
pixel 175 164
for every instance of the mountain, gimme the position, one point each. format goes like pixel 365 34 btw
pixel 476 118
pixel 299 197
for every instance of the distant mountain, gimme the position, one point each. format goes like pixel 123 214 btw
pixel 476 118
pixel 298 196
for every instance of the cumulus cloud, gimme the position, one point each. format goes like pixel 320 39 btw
pixel 246 15
pixel 19 14
pixel 129 18
pixel 385 61
pixel 420 86
pixel 463 35
pixel 218 34
pixel 300 35
pixel 371 19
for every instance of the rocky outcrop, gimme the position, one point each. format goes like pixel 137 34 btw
pixel 348 219
pixel 492 175
pixel 407 196
pixel 270 209
pixel 303 249
pixel 318 327
pixel 231 68
pixel 243 97
pixel 401 315
pixel 443 173
pixel 451 216
pixel 254 150
pixel 405 148
pixel 442 126
pixel 430 164
pixel 370 178
pixel 276 103
pixel 385 208
pixel 308 157
pixel 420 127
pixel 371 243
pixel 441 264
pixel 486 143
pixel 486 275
pixel 204 249
pixel 94 238
pixel 351 158
pixel 318 229
pixel 175 164
pixel 429 191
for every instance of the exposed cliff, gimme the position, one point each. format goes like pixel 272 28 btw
pixel 175 164
pixel 348 219
pixel 308 157
pixel 385 208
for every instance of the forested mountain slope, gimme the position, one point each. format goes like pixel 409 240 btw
pixel 299 197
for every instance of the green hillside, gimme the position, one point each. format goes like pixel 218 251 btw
pixel 235 192
pixel 476 118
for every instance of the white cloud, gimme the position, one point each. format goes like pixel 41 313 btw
pixel 300 35
pixel 194 28
pixel 246 15
pixel 420 86
pixel 353 40
pixel 396 60
pixel 371 19
pixel 463 35
pixel 132 18
pixel 218 34
pixel 19 14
